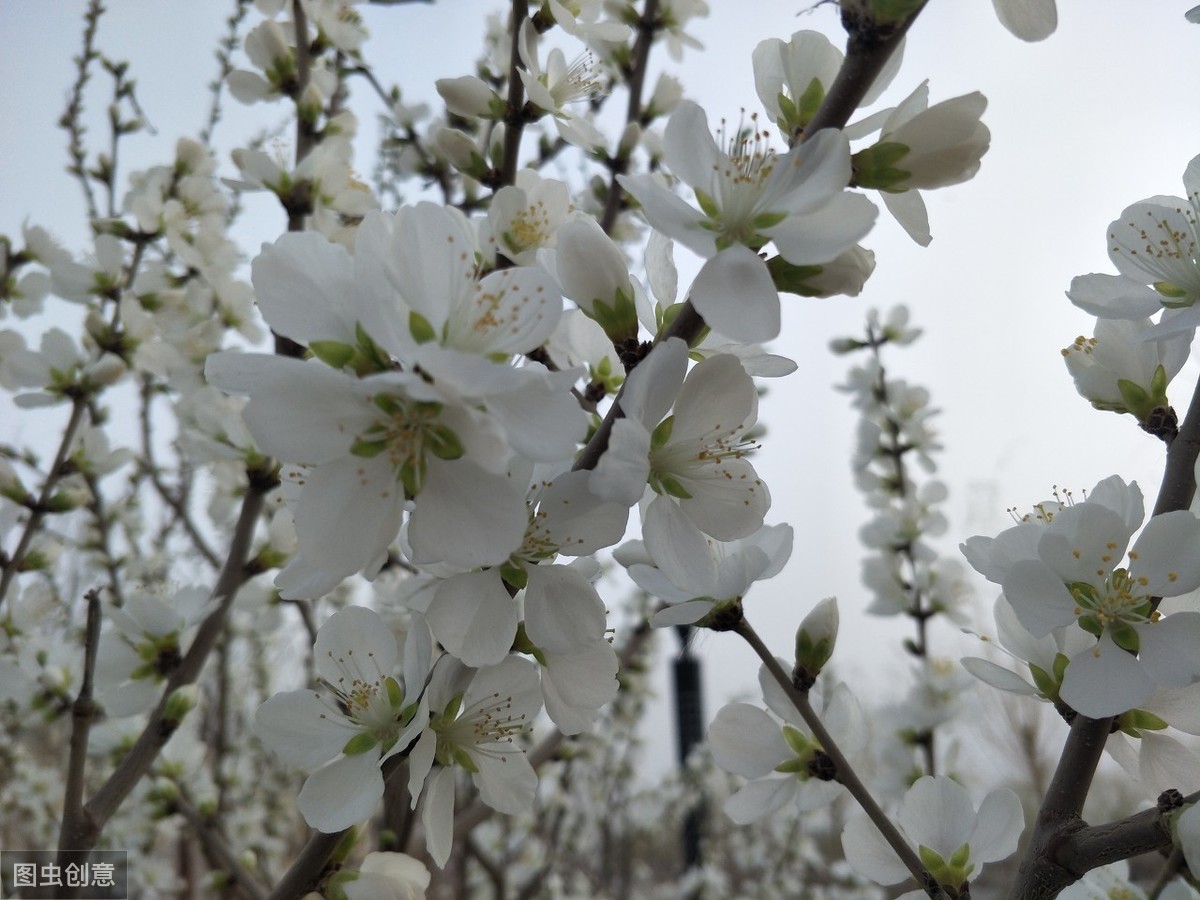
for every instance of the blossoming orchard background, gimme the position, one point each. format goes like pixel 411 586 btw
pixel 1081 124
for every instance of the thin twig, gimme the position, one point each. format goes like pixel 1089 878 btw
pixel 845 772
pixel 218 853
pixel 514 119
pixel 648 27
pixel 41 506
pixel 140 757
pixel 72 118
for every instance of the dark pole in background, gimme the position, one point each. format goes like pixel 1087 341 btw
pixel 689 726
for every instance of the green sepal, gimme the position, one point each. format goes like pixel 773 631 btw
pixel 1158 385
pixel 672 488
pixel 1061 661
pixel 875 166
pixel 367 449
pixel 370 357
pixel 931 860
pixel 1045 684
pixel 1134 721
pixel 767 220
pixel 707 206
pixel 395 693
pixel 443 443
pixel 360 743
pixel 662 433
pixel 961 856
pixel 522 643
pixel 602 373
pixel 793 766
pixel 1091 625
pixel 617 317
pixel 334 354
pixel 1124 636
pixel 809 102
pixel 800 743
pixel 461 759
pixel 792 279
pixel 812 656
pixel 1171 292
pixel 1135 398
pixel 412 476
pixel 453 707
pixel 514 575
pixel 420 328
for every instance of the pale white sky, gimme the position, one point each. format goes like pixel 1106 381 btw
pixel 1099 116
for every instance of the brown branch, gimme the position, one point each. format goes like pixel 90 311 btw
pixel 845 772
pixel 83 714
pixel 648 27
pixel 218 853
pixel 1056 857
pixel 514 118
pixel 41 506
pixel 158 730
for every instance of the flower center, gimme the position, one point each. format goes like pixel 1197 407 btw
pixel 410 430
pixel 1122 599
pixel 489 727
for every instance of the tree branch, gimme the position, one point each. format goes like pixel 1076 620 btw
pixel 83 713
pixel 158 730
pixel 845 772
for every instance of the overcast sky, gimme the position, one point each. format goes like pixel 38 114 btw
pixel 1101 115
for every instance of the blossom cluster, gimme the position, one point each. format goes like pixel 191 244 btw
pixel 462 401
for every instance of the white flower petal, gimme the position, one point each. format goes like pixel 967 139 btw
pixel 736 296
pixel 563 612
pixel 343 793
pixel 473 616
pixel 1105 681
pixel 746 741
pixel 466 517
